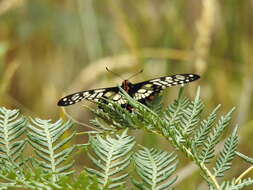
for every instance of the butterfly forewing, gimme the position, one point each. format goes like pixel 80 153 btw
pixel 152 87
pixel 95 95
pixel 139 91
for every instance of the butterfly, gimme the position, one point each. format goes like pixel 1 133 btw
pixel 141 91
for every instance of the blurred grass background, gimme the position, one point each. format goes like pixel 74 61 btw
pixel 51 48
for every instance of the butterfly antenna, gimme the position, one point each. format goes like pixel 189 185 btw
pixel 135 74
pixel 110 71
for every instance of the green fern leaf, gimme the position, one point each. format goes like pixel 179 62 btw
pixel 201 134
pixel 44 137
pixel 111 156
pixel 208 147
pixel 245 158
pixel 155 168
pixel 227 155
pixel 101 125
pixel 12 126
pixel 175 110
pixel 191 115
pixel 232 185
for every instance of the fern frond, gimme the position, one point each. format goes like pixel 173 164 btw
pixel 175 110
pixel 203 130
pixel 80 182
pixel 244 157
pixel 177 124
pixel 191 115
pixel 12 126
pixel 102 125
pixel 111 156
pixel 24 177
pixel 227 155
pixel 208 147
pixel 45 138
pixel 232 185
pixel 114 114
pixel 155 167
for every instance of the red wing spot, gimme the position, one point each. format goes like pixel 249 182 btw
pixel 129 108
pixel 152 97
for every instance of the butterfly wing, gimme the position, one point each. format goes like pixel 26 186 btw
pixel 95 95
pixel 139 91
pixel 148 89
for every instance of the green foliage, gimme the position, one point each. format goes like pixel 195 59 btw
pixel 112 157
pixel 244 157
pixel 113 154
pixel 204 129
pixel 19 171
pixel 154 167
pixel 226 155
pixel 233 185
pixel 190 116
pixel 81 182
pixel 45 137
pixel 12 126
pixel 207 151
pixel 184 127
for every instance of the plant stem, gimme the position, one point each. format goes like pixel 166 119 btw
pixel 243 174
pixel 209 174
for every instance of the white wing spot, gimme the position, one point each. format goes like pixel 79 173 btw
pixel 150 92
pixel 64 99
pixel 148 85
pixel 100 90
pixel 163 82
pixel 175 83
pixel 99 95
pixel 180 77
pixel 85 94
pixel 122 101
pixel 116 97
pixel 191 75
pixel 93 95
pixel 157 83
pixel 108 94
pixel 169 80
pixel 75 97
pixel 142 91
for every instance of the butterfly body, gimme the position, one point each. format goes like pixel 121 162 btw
pixel 141 92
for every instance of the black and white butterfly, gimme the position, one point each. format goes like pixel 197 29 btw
pixel 141 92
